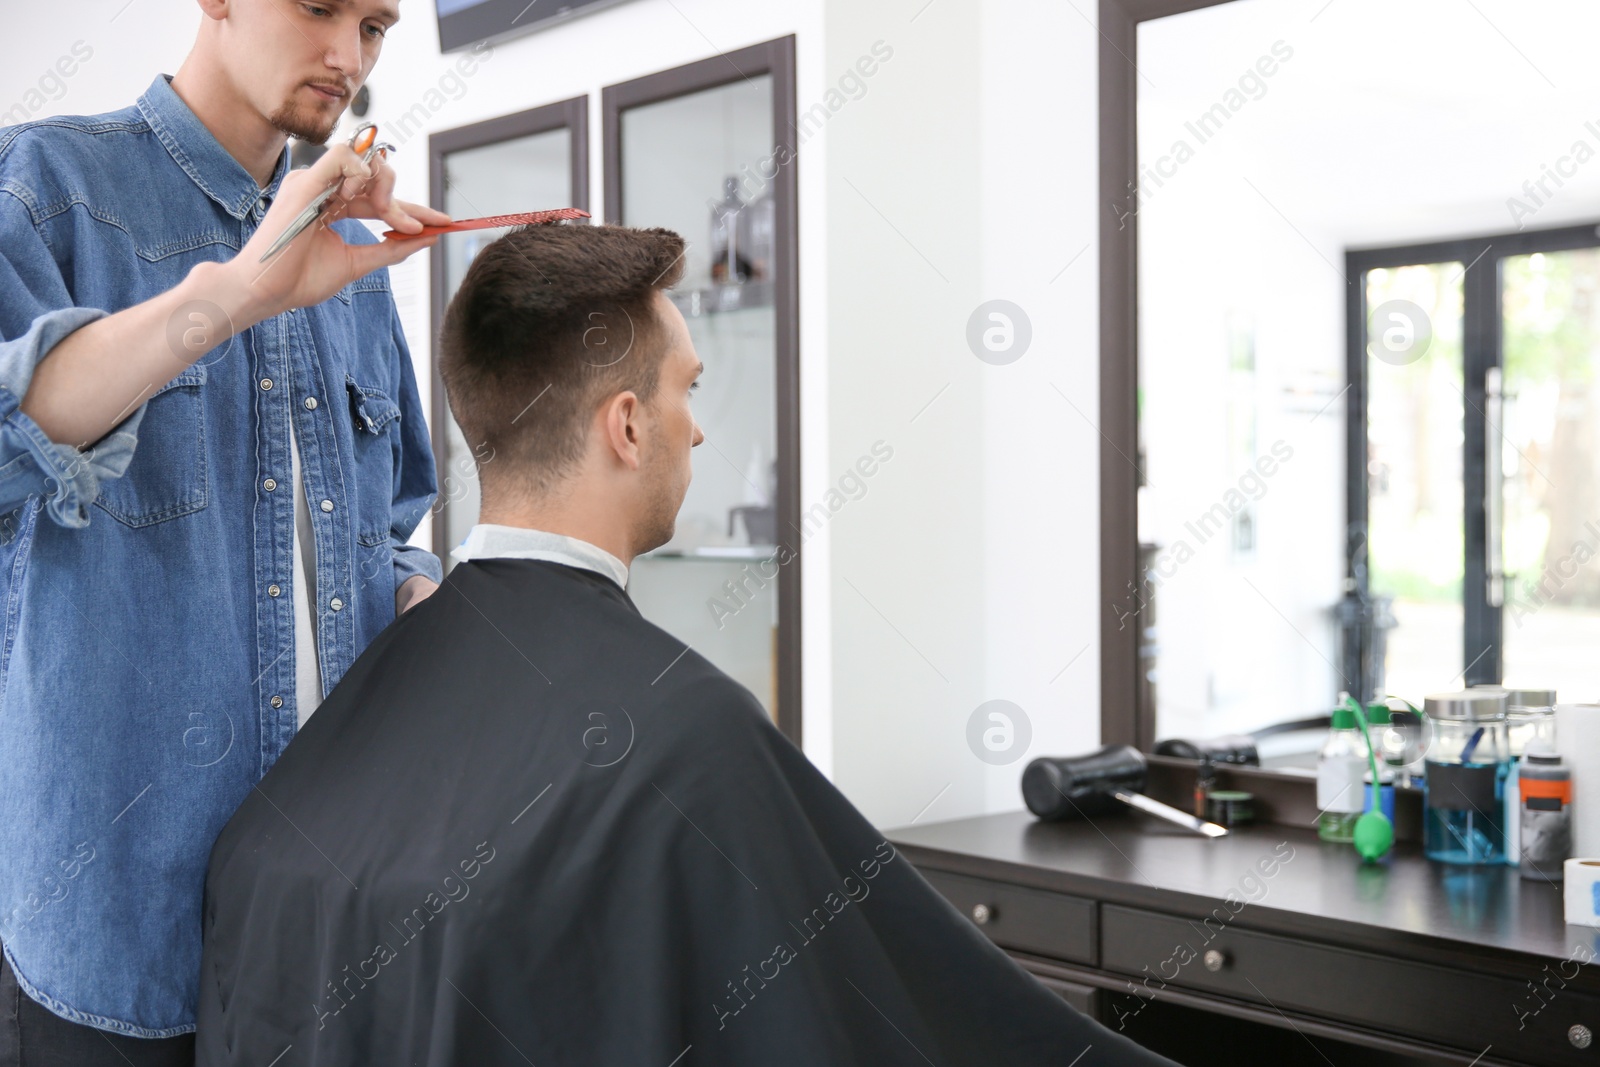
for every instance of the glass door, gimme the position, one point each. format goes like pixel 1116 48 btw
pixel 1545 417
pixel 1413 618
pixel 1474 453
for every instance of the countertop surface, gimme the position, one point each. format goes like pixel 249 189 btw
pixel 1295 883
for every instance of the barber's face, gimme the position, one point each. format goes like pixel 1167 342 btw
pixel 674 430
pixel 301 62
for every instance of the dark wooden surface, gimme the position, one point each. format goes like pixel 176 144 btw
pixel 1270 932
pixel 1485 918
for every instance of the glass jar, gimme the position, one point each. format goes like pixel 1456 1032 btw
pixel 1530 716
pixel 1464 777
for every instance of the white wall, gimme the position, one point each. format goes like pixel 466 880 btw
pixel 1041 482
pixel 904 248
pixel 126 46
pixel 966 174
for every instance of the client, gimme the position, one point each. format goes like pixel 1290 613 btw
pixel 529 827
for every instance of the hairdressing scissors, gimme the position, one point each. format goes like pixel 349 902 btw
pixel 368 147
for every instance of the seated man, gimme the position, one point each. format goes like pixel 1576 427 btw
pixel 529 827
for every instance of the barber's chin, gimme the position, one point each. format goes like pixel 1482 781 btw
pixel 308 128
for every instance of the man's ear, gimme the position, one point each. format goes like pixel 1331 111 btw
pixel 621 425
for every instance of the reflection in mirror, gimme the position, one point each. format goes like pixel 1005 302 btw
pixel 1550 469
pixel 1414 554
pixel 1274 140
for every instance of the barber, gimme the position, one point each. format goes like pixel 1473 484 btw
pixel 209 470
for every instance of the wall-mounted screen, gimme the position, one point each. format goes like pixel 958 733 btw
pixel 466 22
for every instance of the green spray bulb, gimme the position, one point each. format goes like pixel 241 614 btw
pixel 1374 834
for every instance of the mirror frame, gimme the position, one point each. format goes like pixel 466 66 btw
pixel 1124 718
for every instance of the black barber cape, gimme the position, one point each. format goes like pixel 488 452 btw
pixel 529 827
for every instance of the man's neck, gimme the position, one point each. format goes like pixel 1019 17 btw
pixel 603 535
pixel 246 135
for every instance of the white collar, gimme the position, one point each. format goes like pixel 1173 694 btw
pixel 491 540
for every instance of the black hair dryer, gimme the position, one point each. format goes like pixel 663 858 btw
pixel 1101 782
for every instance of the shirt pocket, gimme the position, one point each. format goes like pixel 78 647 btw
pixel 377 449
pixel 166 478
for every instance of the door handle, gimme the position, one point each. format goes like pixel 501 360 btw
pixel 1494 488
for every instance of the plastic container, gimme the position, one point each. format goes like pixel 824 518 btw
pixel 1544 799
pixel 1341 772
pixel 1378 718
pixel 1377 726
pixel 1530 719
pixel 1464 811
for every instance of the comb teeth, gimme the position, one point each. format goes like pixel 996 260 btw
pixel 532 218
pixel 524 218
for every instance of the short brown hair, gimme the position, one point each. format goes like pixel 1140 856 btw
pixel 549 321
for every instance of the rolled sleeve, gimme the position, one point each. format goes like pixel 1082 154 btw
pixel 36 313
pixel 410 561
pixel 416 485
pixel 31 464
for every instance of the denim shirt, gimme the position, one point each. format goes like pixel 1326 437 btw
pixel 147 674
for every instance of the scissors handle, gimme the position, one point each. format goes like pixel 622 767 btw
pixel 366 144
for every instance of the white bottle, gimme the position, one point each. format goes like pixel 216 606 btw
pixel 1341 793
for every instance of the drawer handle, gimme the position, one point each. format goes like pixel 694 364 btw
pixel 981 914
pixel 1215 960
pixel 1580 1035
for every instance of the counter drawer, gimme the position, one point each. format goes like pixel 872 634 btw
pixel 1027 920
pixel 1455 1008
pixel 1086 998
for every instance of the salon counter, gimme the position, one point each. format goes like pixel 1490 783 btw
pixel 1271 945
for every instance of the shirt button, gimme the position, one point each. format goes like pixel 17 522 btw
pixel 277 702
pixel 270 484
pixel 273 590
pixel 336 604
pixel 327 505
pixel 311 403
pixel 266 383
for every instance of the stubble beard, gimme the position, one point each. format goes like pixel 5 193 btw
pixel 310 126
pixel 660 520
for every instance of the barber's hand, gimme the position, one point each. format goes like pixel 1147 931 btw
pixel 319 263
pixel 413 591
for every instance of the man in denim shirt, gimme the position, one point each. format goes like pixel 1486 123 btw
pixel 164 400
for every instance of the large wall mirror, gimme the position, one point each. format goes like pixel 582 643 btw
pixel 1351 328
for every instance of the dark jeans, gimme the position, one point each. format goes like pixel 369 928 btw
pixel 31 1035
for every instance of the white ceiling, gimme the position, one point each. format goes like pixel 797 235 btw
pixel 1394 120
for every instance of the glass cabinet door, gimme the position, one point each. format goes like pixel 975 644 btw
pixel 701 161
pixel 488 169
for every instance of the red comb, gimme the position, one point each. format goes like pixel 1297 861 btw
pixel 525 218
